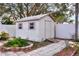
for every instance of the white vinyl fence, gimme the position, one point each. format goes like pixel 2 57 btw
pixel 66 31
pixel 11 29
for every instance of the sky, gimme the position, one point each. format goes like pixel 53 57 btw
pixel 72 17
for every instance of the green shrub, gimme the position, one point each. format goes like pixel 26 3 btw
pixel 16 42
pixel 4 36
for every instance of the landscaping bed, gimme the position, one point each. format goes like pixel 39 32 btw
pixel 76 54
pixel 76 46
pixel 41 44
pixel 69 51
pixel 18 44
pixel 16 49
pixel 28 48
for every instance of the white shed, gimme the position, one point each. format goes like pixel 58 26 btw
pixel 35 28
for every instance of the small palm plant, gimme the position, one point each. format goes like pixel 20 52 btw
pixel 4 36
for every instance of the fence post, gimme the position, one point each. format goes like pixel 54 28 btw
pixel 76 21
pixel 67 43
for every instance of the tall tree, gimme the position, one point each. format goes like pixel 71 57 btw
pixel 20 10
pixel 2 9
pixel 62 12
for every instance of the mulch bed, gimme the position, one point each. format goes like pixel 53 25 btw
pixel 77 53
pixel 66 52
pixel 37 45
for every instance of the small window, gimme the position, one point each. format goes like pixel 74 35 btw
pixel 31 26
pixel 20 26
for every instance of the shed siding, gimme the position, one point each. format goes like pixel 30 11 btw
pixel 33 34
pixel 39 32
pixel 43 29
pixel 26 33
pixel 22 32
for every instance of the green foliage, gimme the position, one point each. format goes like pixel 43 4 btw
pixel 4 36
pixel 59 17
pixel 16 42
pixel 77 40
pixel 6 20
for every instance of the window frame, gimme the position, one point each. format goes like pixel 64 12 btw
pixel 20 26
pixel 32 25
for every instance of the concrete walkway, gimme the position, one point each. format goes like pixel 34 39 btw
pixel 48 50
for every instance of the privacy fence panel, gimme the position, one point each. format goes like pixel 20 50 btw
pixel 11 29
pixel 66 31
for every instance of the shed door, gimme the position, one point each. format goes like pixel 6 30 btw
pixel 32 30
pixel 47 29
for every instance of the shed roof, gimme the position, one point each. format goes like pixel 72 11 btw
pixel 36 17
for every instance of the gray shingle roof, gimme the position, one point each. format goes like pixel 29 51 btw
pixel 37 17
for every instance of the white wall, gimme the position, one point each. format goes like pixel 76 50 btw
pixel 25 32
pixel 43 28
pixel 11 29
pixel 33 34
pixel 65 30
pixel 22 32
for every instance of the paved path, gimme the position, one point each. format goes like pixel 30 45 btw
pixel 48 50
